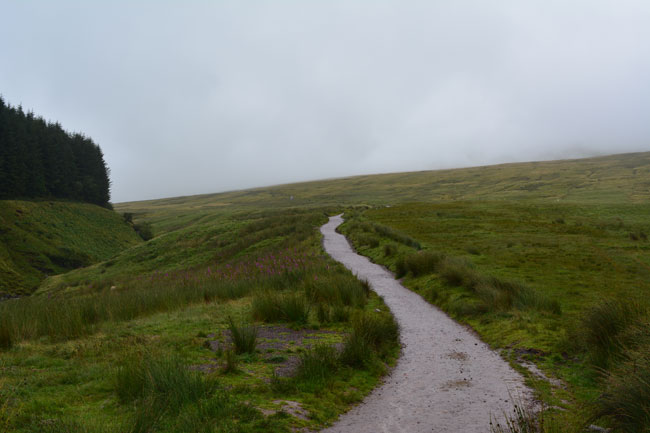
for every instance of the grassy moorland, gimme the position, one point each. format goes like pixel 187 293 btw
pixel 234 303
pixel 562 285
pixel 263 334
pixel 41 238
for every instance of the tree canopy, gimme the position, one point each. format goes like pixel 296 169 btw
pixel 38 159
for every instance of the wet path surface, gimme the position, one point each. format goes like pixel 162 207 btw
pixel 446 379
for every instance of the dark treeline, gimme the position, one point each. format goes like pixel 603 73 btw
pixel 39 159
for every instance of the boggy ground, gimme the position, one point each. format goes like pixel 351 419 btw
pixel 446 380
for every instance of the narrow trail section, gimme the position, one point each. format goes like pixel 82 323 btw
pixel 446 380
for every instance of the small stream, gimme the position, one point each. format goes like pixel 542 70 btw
pixel 446 380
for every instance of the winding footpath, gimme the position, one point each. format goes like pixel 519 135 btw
pixel 446 379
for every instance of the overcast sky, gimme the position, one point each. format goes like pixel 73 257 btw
pixel 188 97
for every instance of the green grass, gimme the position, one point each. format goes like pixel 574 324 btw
pixel 520 252
pixel 612 179
pixel 244 337
pixel 153 330
pixel 40 238
pixel 531 278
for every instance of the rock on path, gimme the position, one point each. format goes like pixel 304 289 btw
pixel 446 379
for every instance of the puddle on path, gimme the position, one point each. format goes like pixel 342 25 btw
pixel 446 380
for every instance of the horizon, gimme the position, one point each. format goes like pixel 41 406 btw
pixel 344 177
pixel 200 97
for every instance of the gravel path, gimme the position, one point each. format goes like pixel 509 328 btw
pixel 446 380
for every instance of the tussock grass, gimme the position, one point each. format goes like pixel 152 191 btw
pixel 605 329
pixel 367 240
pixel 317 366
pixel 165 379
pixel 379 330
pixel 231 362
pixel 280 307
pixel 337 289
pixel 63 317
pixel 626 400
pixel 6 333
pixel 357 351
pixel 390 250
pixel 159 387
pixel 494 294
pixel 396 236
pixel 423 262
pixel 244 337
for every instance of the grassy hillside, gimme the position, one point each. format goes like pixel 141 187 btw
pixel 259 332
pixel 623 178
pixel 547 261
pixel 42 238
pixel 563 285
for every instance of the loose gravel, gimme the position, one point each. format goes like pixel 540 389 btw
pixel 446 380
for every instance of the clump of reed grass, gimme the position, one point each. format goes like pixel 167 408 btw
pixel 368 240
pixel 459 272
pixel 244 337
pixel 339 314
pixel 396 236
pixel 494 293
pixel 602 329
pixel 390 250
pixel 6 334
pixel 626 400
pixel 423 262
pixel 164 378
pixel 231 362
pixel 278 307
pixel 356 351
pixel 337 289
pixel 317 365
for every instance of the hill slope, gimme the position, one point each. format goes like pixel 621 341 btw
pixel 44 238
pixel 623 178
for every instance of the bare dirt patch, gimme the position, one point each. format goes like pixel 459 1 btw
pixel 277 344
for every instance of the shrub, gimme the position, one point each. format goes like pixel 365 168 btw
pixel 144 230
pixel 244 337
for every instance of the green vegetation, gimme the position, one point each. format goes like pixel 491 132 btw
pixel 183 343
pixel 44 238
pixel 39 159
pixel 561 284
pixel 233 302
pixel 616 179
